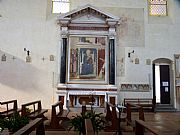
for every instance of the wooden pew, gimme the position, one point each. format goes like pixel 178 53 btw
pixel 58 116
pixel 146 103
pixel 108 112
pixel 84 109
pixel 141 126
pixel 156 128
pixel 35 108
pixel 113 117
pixel 88 127
pixel 129 114
pixel 34 124
pixel 11 107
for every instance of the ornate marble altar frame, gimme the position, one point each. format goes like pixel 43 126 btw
pixel 87 30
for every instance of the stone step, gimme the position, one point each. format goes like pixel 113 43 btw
pixel 164 108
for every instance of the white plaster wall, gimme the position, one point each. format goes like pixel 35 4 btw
pixel 30 24
pixel 24 25
pixel 161 41
pixel 111 3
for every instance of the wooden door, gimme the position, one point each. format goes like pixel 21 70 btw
pixel 164 84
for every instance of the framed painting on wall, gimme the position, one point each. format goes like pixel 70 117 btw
pixel 177 65
pixel 177 68
pixel 87 59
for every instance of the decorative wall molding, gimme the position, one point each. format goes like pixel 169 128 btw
pixel 135 87
pixel 88 28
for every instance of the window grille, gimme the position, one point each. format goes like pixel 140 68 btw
pixel 60 6
pixel 158 7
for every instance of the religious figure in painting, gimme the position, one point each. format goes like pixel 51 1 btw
pixel 73 62
pixel 87 58
pixel 87 66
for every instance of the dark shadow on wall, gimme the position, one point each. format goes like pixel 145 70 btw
pixel 178 2
pixel 18 74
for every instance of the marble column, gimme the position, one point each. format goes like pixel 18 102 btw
pixel 63 60
pixel 112 61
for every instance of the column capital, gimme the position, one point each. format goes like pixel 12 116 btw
pixel 64 26
pixel 112 27
pixel 111 36
pixel 64 32
pixel 64 36
pixel 112 32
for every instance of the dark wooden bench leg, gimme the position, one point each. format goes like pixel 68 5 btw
pixel 40 129
pixel 139 130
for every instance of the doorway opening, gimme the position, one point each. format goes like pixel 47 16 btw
pixel 162 82
pixel 157 80
pixel 162 87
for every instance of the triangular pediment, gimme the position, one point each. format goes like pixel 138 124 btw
pixel 88 18
pixel 88 14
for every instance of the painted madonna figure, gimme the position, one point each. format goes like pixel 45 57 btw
pixel 87 66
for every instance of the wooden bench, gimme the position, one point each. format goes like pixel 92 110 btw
pixel 141 126
pixel 157 128
pixel 34 124
pixel 84 109
pixel 108 112
pixel 113 117
pixel 89 127
pixel 129 114
pixel 33 110
pixel 58 116
pixel 146 103
pixel 10 107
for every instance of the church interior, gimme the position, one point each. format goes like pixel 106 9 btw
pixel 60 59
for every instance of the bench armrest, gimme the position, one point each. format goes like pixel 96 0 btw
pixel 27 129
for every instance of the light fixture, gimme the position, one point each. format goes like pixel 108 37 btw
pixel 129 54
pixel 28 52
pixel 28 57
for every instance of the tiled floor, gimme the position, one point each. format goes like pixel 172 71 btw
pixel 167 122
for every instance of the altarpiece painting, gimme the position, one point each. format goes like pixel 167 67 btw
pixel 87 58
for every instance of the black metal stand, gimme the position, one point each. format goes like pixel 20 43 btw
pixel 92 101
